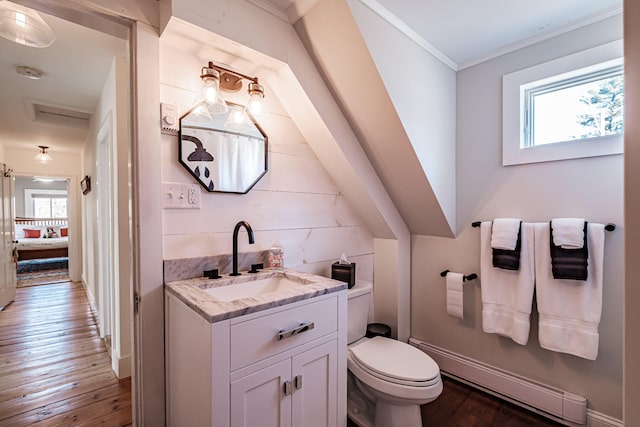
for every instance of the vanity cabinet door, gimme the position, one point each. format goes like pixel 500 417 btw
pixel 260 399
pixel 297 392
pixel 315 379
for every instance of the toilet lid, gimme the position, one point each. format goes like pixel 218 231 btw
pixel 395 359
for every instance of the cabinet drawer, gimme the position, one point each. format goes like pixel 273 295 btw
pixel 265 336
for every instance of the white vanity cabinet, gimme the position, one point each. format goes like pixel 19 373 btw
pixel 295 392
pixel 284 366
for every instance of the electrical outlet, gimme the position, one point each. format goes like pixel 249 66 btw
pixel 193 196
pixel 180 196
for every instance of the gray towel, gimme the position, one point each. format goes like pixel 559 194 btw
pixel 506 259
pixel 569 263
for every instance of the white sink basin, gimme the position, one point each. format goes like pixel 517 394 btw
pixel 252 288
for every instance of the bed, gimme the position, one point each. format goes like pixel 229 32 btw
pixel 42 238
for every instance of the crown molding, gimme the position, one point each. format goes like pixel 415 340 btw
pixel 401 26
pixel 541 37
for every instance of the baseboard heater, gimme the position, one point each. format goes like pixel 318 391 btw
pixel 562 406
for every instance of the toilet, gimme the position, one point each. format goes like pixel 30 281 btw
pixel 388 380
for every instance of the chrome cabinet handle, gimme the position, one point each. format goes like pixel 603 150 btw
pixel 297 380
pixel 287 388
pixel 295 331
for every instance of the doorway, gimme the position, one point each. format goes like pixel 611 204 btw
pixel 83 78
pixel 41 230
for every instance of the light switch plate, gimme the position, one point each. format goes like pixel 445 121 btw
pixel 180 196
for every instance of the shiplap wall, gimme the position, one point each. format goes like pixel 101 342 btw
pixel 296 203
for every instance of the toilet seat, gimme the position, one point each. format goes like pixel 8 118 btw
pixel 395 362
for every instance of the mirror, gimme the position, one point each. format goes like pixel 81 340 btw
pixel 224 152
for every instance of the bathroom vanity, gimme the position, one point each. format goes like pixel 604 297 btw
pixel 265 349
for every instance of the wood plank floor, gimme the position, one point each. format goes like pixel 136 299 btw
pixel 460 405
pixel 54 368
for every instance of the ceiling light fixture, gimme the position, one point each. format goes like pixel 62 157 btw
pixel 24 26
pixel 43 156
pixel 29 72
pixel 215 79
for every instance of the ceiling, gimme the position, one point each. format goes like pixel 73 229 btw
pixel 74 69
pixel 467 32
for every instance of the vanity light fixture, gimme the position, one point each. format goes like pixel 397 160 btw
pixel 24 26
pixel 43 156
pixel 215 79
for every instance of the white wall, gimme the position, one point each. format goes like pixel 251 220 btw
pixel 112 107
pixel 422 89
pixel 590 188
pixel 296 203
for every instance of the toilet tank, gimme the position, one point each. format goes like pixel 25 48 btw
pixel 359 298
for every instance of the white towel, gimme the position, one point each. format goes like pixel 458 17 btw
pixel 507 295
pixel 504 233
pixel 568 233
pixel 570 310
pixel 454 294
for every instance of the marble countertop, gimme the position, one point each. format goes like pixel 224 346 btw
pixel 192 292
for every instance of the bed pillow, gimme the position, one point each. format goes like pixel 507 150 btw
pixel 64 232
pixel 19 231
pixel 31 234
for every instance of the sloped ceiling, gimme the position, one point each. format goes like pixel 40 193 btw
pixel 342 56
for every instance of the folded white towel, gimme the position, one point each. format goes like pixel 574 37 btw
pixel 568 233
pixel 454 294
pixel 569 310
pixel 507 295
pixel 504 233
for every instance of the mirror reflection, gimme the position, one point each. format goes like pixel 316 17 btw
pixel 224 152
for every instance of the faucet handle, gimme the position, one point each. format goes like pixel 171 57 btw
pixel 256 267
pixel 211 274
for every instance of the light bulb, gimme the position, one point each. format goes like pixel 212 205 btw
pixel 256 93
pixel 21 19
pixel 254 105
pixel 210 92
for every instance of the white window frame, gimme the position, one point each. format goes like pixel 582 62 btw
pixel 514 145
pixel 28 198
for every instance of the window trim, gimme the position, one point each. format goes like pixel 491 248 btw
pixel 514 150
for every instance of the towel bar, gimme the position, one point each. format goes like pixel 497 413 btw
pixel 464 278
pixel 609 227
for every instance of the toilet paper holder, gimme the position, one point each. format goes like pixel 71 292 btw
pixel 465 278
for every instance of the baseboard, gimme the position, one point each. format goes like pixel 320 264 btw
pixel 597 419
pixel 559 405
pixel 121 365
pixel 92 304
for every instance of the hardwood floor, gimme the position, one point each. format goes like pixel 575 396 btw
pixel 460 405
pixel 54 368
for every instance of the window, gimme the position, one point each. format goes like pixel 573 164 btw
pixel 567 108
pixel 46 203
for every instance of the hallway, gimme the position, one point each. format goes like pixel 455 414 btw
pixel 54 368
